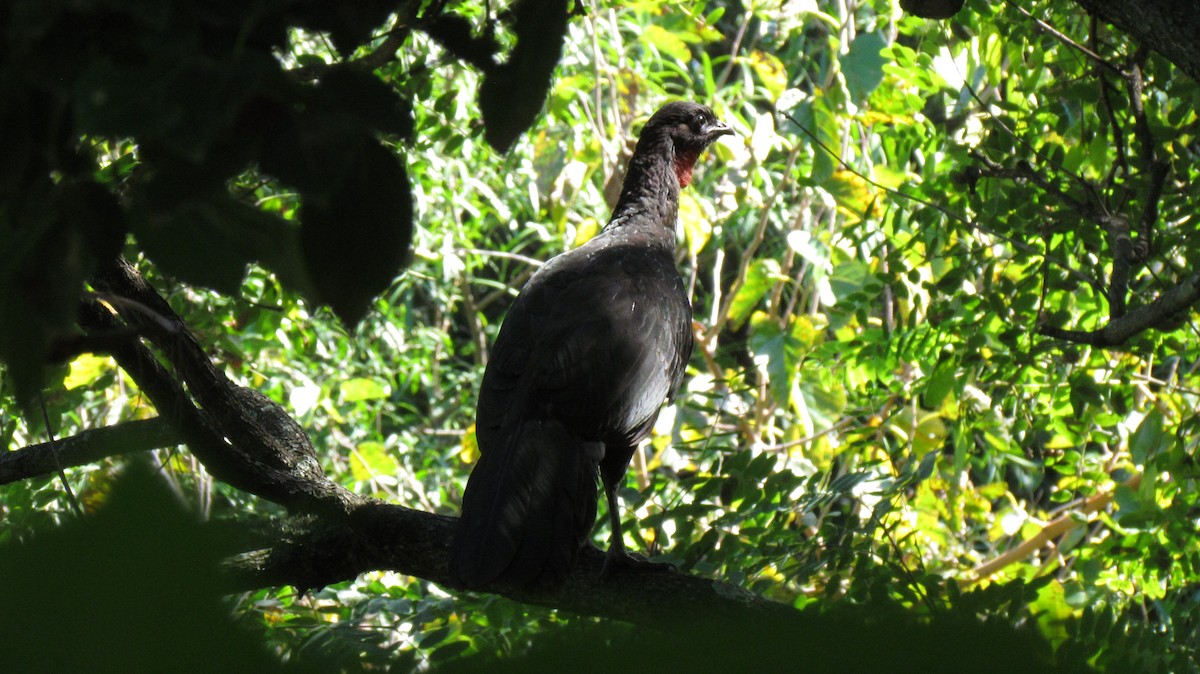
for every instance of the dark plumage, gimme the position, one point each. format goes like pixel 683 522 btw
pixel 593 346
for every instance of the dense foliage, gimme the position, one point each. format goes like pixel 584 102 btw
pixel 903 269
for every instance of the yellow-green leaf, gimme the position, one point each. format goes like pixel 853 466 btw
pixel 667 42
pixel 759 278
pixel 770 72
pixel 941 383
pixel 371 459
pixel 856 198
pixel 585 231
pixel 469 450
pixel 697 229
pixel 804 329
pixel 87 369
pixel 359 389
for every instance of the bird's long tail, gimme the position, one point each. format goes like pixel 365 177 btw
pixel 527 509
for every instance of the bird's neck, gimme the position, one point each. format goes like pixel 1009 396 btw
pixel 650 196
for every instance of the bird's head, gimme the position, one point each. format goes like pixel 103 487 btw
pixel 691 127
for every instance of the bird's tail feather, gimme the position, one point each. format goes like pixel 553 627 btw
pixel 527 508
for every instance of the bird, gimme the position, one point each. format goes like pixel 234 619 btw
pixel 590 350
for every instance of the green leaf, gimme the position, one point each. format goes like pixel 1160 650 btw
pixel 512 94
pixel 1084 393
pixel 849 278
pixel 940 383
pixel 667 42
pixel 1149 439
pixel 925 468
pixel 46 252
pixel 112 99
pixel 807 247
pixel 153 568
pixel 815 117
pixel 759 278
pixel 370 460
pixel 86 369
pixel 697 229
pixel 359 389
pixel 771 347
pixel 355 92
pixel 863 66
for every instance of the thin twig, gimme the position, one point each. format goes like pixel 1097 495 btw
pixel 1061 37
pixel 733 50
pixel 1141 125
pixel 807 439
pixel 1118 136
pixel 531 261
pixel 62 474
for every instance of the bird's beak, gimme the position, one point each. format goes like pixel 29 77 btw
pixel 716 130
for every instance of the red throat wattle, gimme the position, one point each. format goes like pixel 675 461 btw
pixel 684 163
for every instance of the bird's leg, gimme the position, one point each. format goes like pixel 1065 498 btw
pixel 616 546
pixel 616 555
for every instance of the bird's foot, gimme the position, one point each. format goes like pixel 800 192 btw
pixel 625 560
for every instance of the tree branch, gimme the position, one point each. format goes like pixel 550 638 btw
pixel 1170 27
pixel 1160 313
pixel 384 536
pixel 242 437
pixel 88 447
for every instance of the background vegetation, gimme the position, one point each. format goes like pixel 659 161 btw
pixel 943 277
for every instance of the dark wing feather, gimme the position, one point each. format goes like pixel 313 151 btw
pixel 520 520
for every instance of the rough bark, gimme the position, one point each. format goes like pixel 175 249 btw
pixel 1170 307
pixel 390 537
pixel 87 447
pixel 1169 27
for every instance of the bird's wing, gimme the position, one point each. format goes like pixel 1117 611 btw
pixel 599 348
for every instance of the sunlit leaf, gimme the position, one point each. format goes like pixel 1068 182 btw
pixel 770 72
pixel 86 369
pixel 763 137
pixel 759 279
pixel 468 451
pixel 667 42
pixel 856 197
pixel 1149 439
pixel 304 398
pixel 370 460
pixel 586 231
pixel 697 229
pixel 360 389
pixel 802 242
